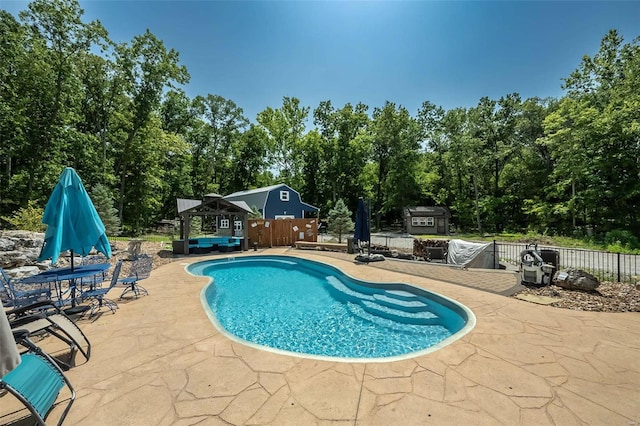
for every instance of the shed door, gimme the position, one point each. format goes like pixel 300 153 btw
pixel 441 226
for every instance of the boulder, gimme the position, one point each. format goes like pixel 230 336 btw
pixel 19 248
pixel 575 279
pixel 22 272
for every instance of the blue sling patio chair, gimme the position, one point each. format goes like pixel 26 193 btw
pixel 97 297
pixel 140 269
pixel 37 381
pixel 18 295
pixel 45 318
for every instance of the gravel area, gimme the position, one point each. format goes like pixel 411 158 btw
pixel 161 253
pixel 608 297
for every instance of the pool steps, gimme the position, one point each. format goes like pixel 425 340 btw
pixel 396 305
pixel 407 305
pixel 358 311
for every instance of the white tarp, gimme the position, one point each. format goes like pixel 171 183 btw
pixel 472 255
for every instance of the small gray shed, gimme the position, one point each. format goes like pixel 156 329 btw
pixel 427 220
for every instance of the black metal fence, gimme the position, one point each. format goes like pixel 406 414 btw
pixel 604 265
pixel 617 267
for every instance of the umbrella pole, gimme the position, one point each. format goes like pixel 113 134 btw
pixel 71 251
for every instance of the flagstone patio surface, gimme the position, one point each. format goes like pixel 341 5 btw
pixel 160 361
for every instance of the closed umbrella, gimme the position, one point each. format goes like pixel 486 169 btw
pixel 9 355
pixel 72 221
pixel 362 232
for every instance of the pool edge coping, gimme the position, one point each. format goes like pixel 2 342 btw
pixel 469 325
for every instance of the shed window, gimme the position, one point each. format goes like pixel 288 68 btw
pixel 422 221
pixel 224 223
pixel 284 195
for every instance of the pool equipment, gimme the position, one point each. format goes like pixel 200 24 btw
pixel 537 266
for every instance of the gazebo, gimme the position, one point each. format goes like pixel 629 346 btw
pixel 211 205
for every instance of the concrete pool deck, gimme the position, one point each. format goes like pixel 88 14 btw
pixel 160 361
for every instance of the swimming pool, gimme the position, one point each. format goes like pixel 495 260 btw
pixel 307 308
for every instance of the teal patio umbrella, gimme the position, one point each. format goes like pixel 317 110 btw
pixel 72 221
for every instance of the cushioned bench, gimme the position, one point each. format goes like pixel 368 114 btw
pixel 233 244
pixel 208 244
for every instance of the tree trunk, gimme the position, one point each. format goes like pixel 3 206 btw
pixel 475 189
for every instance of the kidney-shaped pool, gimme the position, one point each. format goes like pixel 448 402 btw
pixel 307 308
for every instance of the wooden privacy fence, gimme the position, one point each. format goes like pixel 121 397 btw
pixel 281 232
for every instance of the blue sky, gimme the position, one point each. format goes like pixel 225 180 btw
pixel 407 52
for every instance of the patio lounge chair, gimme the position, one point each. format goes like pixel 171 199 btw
pixel 97 295
pixel 36 381
pixel 45 317
pixel 140 269
pixel 22 296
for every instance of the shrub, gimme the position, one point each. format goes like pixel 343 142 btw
pixel 103 202
pixel 27 218
pixel 621 238
pixel 340 222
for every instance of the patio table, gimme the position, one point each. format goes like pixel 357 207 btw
pixel 56 276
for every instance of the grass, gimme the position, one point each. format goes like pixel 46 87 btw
pixel 156 238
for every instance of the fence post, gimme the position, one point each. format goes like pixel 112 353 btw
pixel 495 247
pixel 619 267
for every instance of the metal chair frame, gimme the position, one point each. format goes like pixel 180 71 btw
pixel 37 381
pixel 140 270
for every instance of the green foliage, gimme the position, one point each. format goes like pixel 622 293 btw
pixel 340 222
pixel 196 225
pixel 619 238
pixel 549 166
pixel 104 203
pixel 28 218
pixel 255 213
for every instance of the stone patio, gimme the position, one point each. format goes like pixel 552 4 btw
pixel 160 361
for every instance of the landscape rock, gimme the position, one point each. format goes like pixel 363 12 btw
pixel 575 279
pixel 19 248
pixel 23 271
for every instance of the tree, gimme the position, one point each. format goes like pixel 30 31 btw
pixel 342 151
pixel 340 222
pixel 255 213
pixel 148 68
pixel 223 123
pixel 41 90
pixel 103 201
pixel 593 139
pixel 395 145
pixel 285 127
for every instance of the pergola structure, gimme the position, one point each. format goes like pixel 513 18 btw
pixel 211 205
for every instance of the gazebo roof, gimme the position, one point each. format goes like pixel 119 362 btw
pixel 211 204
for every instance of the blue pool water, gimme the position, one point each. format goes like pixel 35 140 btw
pixel 305 307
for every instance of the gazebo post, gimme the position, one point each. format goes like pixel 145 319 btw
pixel 245 232
pixel 187 230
